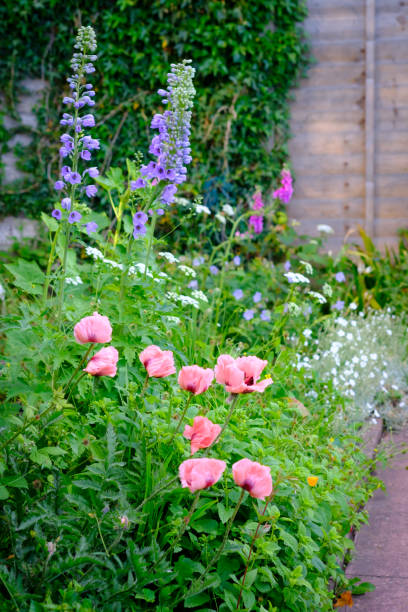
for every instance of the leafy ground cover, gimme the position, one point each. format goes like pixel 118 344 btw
pixel 174 450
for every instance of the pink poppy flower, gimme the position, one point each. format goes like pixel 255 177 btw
pixel 158 363
pixel 202 434
pixel 253 477
pixel 103 363
pixel 195 379
pixel 199 474
pixel 95 328
pixel 241 375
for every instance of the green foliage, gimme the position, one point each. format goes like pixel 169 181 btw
pixel 248 57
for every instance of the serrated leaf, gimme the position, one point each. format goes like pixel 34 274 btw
pixel 27 276
pixel 50 222
pixel 224 513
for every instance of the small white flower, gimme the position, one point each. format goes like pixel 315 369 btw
pixel 327 290
pixel 169 256
pixel 341 321
pixel 349 336
pixel 325 229
pixel 308 267
pixel 228 210
pixel 341 333
pixel 182 201
pixel 200 208
pixel 293 308
pixel 187 271
pixel 140 268
pixel 172 319
pixel 307 333
pixel 73 281
pixel 199 295
pixel 221 218
pixel 295 277
pixel 318 296
pixel 93 252
pixel 113 264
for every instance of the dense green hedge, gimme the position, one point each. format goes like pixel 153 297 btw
pixel 248 56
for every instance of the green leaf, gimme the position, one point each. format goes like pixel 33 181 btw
pixel 41 457
pixel 250 577
pixel 27 276
pixel 19 482
pixel 206 525
pixel 363 587
pixel 3 492
pixel 223 513
pixel 196 600
pixel 50 222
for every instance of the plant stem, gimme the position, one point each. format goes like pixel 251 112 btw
pixel 158 490
pixel 100 533
pixel 183 414
pixel 199 581
pixel 227 420
pixel 49 266
pixel 84 358
pixel 149 245
pixel 27 424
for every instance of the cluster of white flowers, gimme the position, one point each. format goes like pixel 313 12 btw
pixel 169 256
pixel 228 210
pixel 200 208
pixel 364 357
pixel 318 296
pixel 97 255
pixel 296 278
pixel 73 281
pixel 325 229
pixel 199 295
pixel 184 300
pixel 187 271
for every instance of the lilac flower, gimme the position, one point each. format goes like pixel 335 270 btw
pixel 68 100
pixel 340 277
pixel 248 314
pixel 93 172
pixel 58 185
pixel 265 315
pixel 193 284
pixel 57 214
pixel 139 217
pixel 160 212
pixel 171 145
pixel 91 190
pixel 67 119
pixel 138 184
pixel 237 260
pixel 257 297
pixel 214 270
pixel 85 154
pixel 88 120
pixel 198 261
pixel 74 216
pixel 168 194
pixel 64 152
pixel 66 203
pixel 65 172
pixel 287 265
pixel 339 305
pixel 91 227
pixel 74 178
pixel 238 294
pixel 139 229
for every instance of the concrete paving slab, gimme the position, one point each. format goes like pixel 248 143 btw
pixel 381 555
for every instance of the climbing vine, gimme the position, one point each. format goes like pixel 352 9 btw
pixel 248 56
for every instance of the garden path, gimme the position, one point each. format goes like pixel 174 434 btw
pixel 382 545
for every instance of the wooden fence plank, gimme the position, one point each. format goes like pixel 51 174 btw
pixel 391 163
pixel 332 188
pixel 393 186
pixel 316 209
pixel 347 52
pixel 394 96
pixel 315 164
pixel 339 28
pixel 351 142
pixel 390 73
pixel 391 208
pixel 329 74
pixel 390 51
pixel 395 142
pixel 390 227
pixel 392 26
pixel 323 100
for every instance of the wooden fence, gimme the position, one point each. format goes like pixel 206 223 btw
pixel 350 121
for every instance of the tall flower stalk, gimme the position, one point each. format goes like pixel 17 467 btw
pixel 76 147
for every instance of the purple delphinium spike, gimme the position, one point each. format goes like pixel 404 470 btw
pixel 171 145
pixel 76 145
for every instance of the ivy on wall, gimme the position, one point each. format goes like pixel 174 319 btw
pixel 248 56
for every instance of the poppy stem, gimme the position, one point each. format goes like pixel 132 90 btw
pixel 146 381
pixel 181 418
pixel 195 588
pixel 84 358
pixel 225 425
